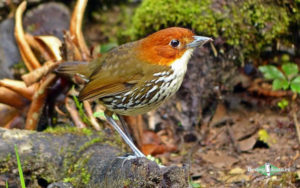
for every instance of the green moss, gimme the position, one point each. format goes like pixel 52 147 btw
pixel 90 143
pixel 153 15
pixel 249 26
pixel 4 164
pixel 253 25
pixel 77 174
pixel 68 129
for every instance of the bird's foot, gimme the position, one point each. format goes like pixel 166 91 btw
pixel 132 157
pixel 129 157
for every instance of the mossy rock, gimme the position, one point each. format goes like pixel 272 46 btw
pixel 249 26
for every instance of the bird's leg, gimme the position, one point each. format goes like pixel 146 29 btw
pixel 136 151
pixel 124 126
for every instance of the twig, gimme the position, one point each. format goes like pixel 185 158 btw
pixel 297 125
pixel 232 138
pixel 71 51
pixel 38 103
pixel 92 119
pixel 214 49
pixel 19 87
pixel 37 74
pixel 12 98
pixel 74 113
pixel 29 58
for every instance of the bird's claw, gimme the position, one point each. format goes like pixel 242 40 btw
pixel 128 158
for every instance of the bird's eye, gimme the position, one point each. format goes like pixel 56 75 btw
pixel 174 43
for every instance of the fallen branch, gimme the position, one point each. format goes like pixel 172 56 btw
pixel 83 160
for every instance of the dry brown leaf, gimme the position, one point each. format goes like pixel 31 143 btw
pixel 247 144
pixel 220 116
pixel 52 45
pixel 219 160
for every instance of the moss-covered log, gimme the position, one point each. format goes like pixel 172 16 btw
pixel 78 158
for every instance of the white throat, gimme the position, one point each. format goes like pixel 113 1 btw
pixel 180 65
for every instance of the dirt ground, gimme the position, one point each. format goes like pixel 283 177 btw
pixel 238 137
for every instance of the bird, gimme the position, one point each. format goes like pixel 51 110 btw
pixel 138 76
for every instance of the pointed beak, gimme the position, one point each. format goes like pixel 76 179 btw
pixel 199 41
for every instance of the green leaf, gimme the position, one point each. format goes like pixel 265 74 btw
pixel 271 72
pixel 102 115
pixel 283 104
pixel 263 135
pixel 290 68
pixel 195 185
pixel 107 47
pixel 280 84
pixel 295 84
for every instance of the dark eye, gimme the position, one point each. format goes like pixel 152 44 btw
pixel 174 43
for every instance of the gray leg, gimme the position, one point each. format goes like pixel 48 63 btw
pixel 136 151
pixel 124 127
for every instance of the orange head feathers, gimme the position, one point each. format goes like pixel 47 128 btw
pixel 167 45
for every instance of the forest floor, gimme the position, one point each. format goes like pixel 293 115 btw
pixel 238 139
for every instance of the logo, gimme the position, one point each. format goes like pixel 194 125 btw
pixel 268 169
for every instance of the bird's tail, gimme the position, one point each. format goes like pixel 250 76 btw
pixel 74 67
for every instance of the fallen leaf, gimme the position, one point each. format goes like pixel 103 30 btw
pixel 220 116
pixel 219 161
pixel 247 144
pixel 237 170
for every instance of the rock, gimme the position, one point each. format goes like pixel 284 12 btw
pixel 48 19
pixel 9 52
pixel 82 158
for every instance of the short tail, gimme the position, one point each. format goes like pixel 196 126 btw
pixel 74 67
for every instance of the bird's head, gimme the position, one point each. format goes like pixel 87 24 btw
pixel 167 45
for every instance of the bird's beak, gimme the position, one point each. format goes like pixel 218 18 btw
pixel 199 41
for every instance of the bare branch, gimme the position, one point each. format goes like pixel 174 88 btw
pixel 74 113
pixel 12 98
pixel 37 74
pixel 38 103
pixel 93 120
pixel 28 57
pixel 75 28
pixel 19 87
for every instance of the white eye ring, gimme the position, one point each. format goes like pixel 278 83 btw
pixel 174 43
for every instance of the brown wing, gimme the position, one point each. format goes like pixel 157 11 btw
pixel 118 72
